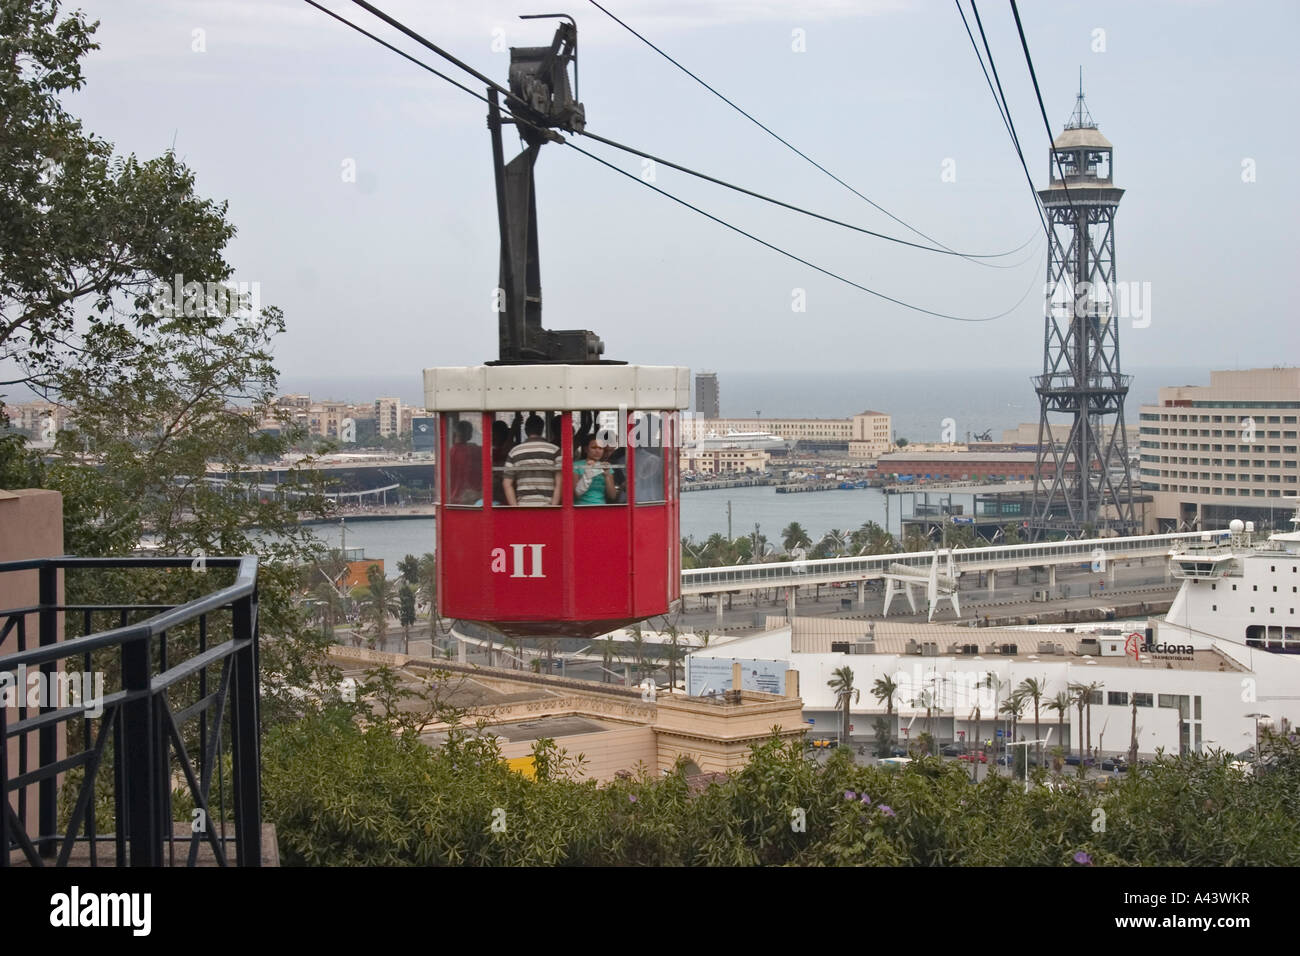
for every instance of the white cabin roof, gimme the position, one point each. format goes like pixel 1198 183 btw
pixel 487 388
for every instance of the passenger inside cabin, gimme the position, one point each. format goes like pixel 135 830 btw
pixel 465 467
pixel 532 468
pixel 594 477
pixel 502 442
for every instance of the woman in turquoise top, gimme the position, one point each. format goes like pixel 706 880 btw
pixel 593 478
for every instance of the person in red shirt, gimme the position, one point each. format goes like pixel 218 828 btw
pixel 464 467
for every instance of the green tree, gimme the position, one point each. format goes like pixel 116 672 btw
pixel 1013 707
pixel 835 542
pixel 841 685
pixel 406 614
pixel 1061 704
pixel 1086 694
pixel 917 540
pixel 378 603
pixel 885 689
pixel 156 390
pixel 794 536
pixel 1031 688
pixel 608 653
pixel 409 568
pixel 84 231
pixel 673 651
pixel 428 587
pixel 871 538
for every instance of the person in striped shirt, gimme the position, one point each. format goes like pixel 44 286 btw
pixel 533 468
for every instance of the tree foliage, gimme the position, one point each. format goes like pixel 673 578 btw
pixel 343 795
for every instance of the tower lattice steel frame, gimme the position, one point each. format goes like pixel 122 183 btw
pixel 1084 485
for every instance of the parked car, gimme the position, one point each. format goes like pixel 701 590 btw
pixel 952 750
pixel 979 755
pixel 897 751
pixel 1113 764
pixel 1007 760
pixel 1073 760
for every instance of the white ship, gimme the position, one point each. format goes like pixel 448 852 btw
pixel 1241 591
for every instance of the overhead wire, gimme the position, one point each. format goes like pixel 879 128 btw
pixel 790 146
pixel 1024 45
pixel 942 250
pixel 799 259
pixel 520 120
pixel 1004 110
pixel 423 41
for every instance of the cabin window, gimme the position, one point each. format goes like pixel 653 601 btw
pixel 649 435
pixel 526 458
pixel 463 468
pixel 599 458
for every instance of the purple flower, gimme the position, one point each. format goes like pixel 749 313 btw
pixel 1082 858
pixel 865 798
pixel 631 798
pixel 887 810
pixel 850 795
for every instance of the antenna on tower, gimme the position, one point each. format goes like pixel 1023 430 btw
pixel 1080 118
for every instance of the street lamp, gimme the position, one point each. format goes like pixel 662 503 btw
pixel 1258 717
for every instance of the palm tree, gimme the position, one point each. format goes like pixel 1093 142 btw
pixel 871 538
pixel 513 648
pixel 1033 689
pixel 916 540
pixel 428 585
pixel 1061 704
pixel 379 602
pixel 673 653
pixel 884 690
pixel 1080 700
pixel 1090 690
pixel 608 651
pixel 1012 707
pixel 638 650
pixel 835 542
pixel 794 536
pixel 409 568
pixel 406 613
pixel 1133 738
pixel 926 700
pixel 330 603
pixel 841 684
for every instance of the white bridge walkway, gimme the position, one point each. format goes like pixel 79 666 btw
pixel 1097 552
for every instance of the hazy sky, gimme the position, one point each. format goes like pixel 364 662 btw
pixel 395 271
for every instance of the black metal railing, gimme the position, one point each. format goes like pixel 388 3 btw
pixel 117 765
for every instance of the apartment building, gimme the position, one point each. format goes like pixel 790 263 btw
pixel 707 395
pixel 1211 453
pixel 388 417
pixel 871 435
pixel 36 418
pixel 869 432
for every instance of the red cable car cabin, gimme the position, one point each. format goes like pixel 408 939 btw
pixel 607 553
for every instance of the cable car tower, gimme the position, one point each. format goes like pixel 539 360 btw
pixel 557 498
pixel 1083 486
